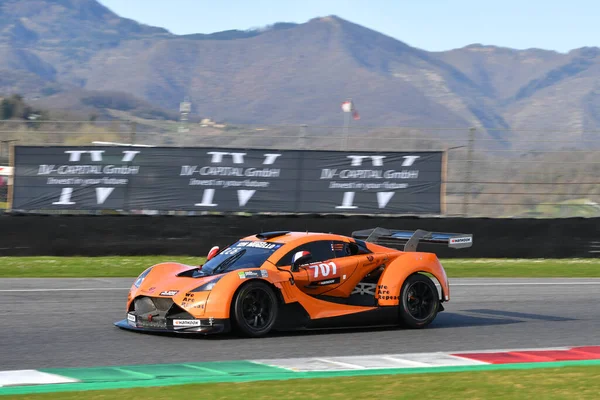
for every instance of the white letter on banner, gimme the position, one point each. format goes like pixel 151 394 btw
pixel 75 155
pixel 96 154
pixel 129 155
pixel 377 160
pixel 238 158
pixel 102 194
pixel 65 197
pixel 270 158
pixel 383 198
pixel 217 156
pixel 207 199
pixel 347 201
pixel 244 196
pixel 409 160
pixel 327 173
pixel 356 160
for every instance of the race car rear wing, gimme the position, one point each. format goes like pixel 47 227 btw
pixel 411 239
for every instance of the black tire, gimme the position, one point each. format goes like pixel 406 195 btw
pixel 419 302
pixel 254 309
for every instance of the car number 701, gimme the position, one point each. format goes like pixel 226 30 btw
pixel 326 269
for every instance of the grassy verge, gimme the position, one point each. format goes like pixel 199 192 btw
pixel 89 267
pixel 559 383
pixel 83 267
pixel 523 268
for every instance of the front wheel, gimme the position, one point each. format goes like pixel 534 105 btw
pixel 255 309
pixel 419 301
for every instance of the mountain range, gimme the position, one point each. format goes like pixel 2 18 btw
pixel 62 52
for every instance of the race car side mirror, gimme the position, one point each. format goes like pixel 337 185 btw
pixel 301 257
pixel 213 252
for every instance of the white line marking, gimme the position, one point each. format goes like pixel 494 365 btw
pixel 341 364
pixel 373 362
pixel 405 361
pixel 31 377
pixel 453 353
pixel 61 290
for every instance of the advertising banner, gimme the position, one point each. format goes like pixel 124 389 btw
pixel 226 180
pixel 366 182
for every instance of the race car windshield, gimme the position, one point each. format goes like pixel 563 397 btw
pixel 240 255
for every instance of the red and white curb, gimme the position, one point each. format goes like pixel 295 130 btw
pixel 433 360
pixel 28 377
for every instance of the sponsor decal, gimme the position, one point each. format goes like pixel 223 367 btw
pixel 186 322
pixel 325 282
pixel 464 239
pixel 169 293
pixel 189 301
pixel 131 318
pixel 263 273
pixel 337 246
pixel 382 290
pixel 258 244
pixel 384 294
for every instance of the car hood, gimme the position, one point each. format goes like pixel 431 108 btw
pixel 163 281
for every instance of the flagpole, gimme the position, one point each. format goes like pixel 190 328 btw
pixel 347 125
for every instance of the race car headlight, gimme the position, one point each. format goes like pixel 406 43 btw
pixel 208 286
pixel 140 278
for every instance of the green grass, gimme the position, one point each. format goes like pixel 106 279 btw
pixel 556 383
pixel 522 268
pixel 92 267
pixel 83 267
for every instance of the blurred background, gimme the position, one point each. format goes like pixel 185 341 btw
pixel 518 117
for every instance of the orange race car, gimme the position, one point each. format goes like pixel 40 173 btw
pixel 296 280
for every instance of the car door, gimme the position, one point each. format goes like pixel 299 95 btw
pixel 324 272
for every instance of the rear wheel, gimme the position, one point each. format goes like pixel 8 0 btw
pixel 419 301
pixel 255 309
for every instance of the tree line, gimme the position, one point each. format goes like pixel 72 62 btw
pixel 15 107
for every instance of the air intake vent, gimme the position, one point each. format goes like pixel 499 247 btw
pixel 270 235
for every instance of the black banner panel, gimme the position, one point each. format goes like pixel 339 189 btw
pixel 371 183
pixel 226 180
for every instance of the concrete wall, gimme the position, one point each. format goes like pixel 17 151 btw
pixel 170 235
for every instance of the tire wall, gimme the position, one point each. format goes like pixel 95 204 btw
pixel 30 235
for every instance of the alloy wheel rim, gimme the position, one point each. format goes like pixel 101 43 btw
pixel 256 309
pixel 420 300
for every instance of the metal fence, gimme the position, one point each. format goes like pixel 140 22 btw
pixel 490 173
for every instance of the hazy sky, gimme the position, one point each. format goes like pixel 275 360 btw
pixel 560 25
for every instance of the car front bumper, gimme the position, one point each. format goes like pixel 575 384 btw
pixel 189 326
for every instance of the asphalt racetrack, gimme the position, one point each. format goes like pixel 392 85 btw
pixel 69 323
